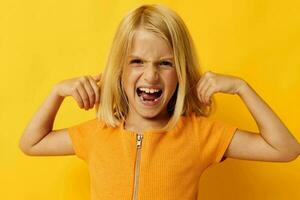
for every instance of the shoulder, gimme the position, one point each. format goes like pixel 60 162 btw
pixel 209 124
pixel 197 119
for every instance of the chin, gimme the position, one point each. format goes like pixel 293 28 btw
pixel 149 114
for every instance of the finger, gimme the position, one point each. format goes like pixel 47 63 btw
pixel 89 90
pixel 200 89
pixel 201 82
pixel 208 94
pixel 203 91
pixel 84 96
pixel 97 77
pixel 78 99
pixel 95 88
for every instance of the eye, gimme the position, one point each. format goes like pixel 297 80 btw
pixel 136 61
pixel 166 63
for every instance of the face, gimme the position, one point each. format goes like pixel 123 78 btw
pixel 149 76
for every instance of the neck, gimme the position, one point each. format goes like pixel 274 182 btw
pixel 138 123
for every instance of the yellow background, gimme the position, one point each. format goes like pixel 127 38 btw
pixel 43 42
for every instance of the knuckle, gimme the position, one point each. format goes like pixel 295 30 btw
pixel 90 78
pixel 83 78
pixel 78 84
pixel 73 91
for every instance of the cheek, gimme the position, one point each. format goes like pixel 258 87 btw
pixel 133 75
pixel 129 78
pixel 171 80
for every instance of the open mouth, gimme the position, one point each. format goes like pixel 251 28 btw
pixel 149 95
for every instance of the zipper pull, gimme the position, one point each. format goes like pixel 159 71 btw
pixel 139 138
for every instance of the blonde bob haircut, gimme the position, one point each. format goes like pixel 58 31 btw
pixel 168 25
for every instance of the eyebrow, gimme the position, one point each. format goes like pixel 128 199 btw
pixel 161 58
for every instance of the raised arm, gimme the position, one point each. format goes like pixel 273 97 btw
pixel 274 142
pixel 39 138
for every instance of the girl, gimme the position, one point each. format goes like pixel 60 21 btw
pixel 152 138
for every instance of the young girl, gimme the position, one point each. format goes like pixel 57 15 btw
pixel 152 138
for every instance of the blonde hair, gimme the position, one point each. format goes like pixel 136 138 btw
pixel 168 25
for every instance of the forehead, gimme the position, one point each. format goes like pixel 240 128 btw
pixel 148 44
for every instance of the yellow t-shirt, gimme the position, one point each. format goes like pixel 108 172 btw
pixel 170 163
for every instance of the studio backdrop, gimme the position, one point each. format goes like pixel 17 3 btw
pixel 44 42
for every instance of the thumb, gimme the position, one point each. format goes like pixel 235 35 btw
pixel 97 77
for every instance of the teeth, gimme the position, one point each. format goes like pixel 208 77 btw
pixel 147 90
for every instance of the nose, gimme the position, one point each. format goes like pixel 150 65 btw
pixel 150 73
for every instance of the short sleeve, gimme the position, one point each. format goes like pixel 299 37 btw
pixel 82 136
pixel 215 138
pixel 223 134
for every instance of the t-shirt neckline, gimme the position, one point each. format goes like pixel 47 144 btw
pixel 154 131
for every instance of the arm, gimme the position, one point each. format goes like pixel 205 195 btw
pixel 42 122
pixel 274 142
pixel 274 137
pixel 38 137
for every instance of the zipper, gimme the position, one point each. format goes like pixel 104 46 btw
pixel 139 139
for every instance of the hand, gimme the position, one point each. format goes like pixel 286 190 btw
pixel 84 90
pixel 211 83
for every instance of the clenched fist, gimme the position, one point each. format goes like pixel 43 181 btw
pixel 211 83
pixel 83 89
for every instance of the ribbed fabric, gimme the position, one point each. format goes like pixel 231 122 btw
pixel 171 162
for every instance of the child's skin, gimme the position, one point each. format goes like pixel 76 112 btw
pixel 273 143
pixel 150 63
